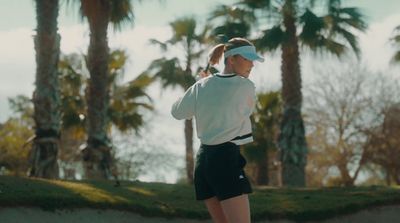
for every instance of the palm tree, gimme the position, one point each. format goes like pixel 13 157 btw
pixel 265 128
pixel 171 72
pixel 46 97
pixel 100 13
pixel 396 41
pixel 294 23
pixel 128 101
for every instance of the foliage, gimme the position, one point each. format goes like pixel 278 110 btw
pixel 396 42
pixel 383 144
pixel 337 108
pixel 13 148
pixel 177 71
pixel 121 11
pixel 22 108
pixel 265 130
pixel 128 103
pixel 235 21
pixel 345 120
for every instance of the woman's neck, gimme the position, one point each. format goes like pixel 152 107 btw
pixel 228 70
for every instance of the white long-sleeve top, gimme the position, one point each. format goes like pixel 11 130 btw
pixel 221 105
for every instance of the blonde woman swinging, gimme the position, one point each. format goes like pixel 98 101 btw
pixel 221 105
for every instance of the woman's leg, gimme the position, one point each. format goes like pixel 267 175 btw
pixel 237 209
pixel 214 208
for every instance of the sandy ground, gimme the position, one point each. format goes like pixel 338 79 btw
pixel 386 214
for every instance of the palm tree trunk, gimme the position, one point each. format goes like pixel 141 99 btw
pixel 263 171
pixel 46 98
pixel 189 150
pixel 292 135
pixel 189 128
pixel 97 154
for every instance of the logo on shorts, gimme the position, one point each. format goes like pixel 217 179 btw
pixel 241 176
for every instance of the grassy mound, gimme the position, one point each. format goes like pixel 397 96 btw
pixel 177 200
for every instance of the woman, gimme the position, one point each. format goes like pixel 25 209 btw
pixel 222 105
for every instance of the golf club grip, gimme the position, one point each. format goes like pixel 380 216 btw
pixel 207 67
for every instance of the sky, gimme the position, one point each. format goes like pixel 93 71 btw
pixel 17 62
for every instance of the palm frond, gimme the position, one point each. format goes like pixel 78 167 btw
pixel 336 29
pixel 232 13
pixel 163 46
pixel 271 39
pixel 353 18
pixel 121 13
pixel 184 28
pixel 312 27
pixel 333 47
pixel 395 40
pixel 350 39
pixel 232 29
pixel 396 58
pixel 169 72
pixel 256 4
pixel 233 21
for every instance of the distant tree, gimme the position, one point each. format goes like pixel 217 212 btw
pixel 383 147
pixel 46 97
pixel 22 109
pixel 14 134
pixel 13 149
pixel 265 130
pixel 338 111
pixel 177 72
pixel 284 25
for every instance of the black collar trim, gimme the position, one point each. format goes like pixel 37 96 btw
pixel 225 76
pixel 243 136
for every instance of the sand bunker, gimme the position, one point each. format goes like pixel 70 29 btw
pixel 386 214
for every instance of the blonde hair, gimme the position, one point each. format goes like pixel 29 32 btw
pixel 217 51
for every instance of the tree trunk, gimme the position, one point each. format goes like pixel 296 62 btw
pixel 189 128
pixel 46 98
pixel 97 155
pixel 291 140
pixel 347 180
pixel 189 150
pixel 262 171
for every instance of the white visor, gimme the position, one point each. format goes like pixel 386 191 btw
pixel 248 52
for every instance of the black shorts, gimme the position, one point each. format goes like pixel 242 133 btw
pixel 219 172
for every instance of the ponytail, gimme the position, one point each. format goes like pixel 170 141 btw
pixel 216 54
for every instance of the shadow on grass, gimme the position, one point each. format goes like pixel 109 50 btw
pixel 156 199
pixel 147 199
pixel 22 191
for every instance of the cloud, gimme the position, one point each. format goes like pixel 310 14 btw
pixel 376 48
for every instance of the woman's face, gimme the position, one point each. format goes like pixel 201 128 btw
pixel 241 66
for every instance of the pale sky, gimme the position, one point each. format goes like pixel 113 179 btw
pixel 17 62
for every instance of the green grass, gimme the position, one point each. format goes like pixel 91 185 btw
pixel 177 200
